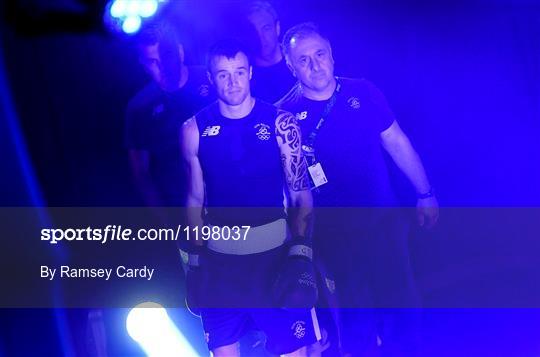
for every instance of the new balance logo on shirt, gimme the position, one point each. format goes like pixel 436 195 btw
pixel 211 130
pixel 301 115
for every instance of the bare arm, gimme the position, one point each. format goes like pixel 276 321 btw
pixel 139 161
pixel 295 169
pixel 195 192
pixel 398 145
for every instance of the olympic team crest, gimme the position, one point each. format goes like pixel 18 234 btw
pixel 299 329
pixel 354 102
pixel 263 132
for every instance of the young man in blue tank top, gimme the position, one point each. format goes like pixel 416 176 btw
pixel 239 154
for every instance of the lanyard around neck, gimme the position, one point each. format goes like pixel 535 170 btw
pixel 309 146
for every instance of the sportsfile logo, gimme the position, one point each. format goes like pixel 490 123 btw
pixel 211 130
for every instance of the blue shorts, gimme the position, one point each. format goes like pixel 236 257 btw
pixel 239 299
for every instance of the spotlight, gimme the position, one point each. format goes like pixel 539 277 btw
pixel 131 24
pixel 118 8
pixel 151 327
pixel 148 8
pixel 128 15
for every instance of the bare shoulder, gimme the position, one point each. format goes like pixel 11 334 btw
pixel 190 124
pixel 190 136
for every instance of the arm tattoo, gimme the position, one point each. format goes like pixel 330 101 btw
pixel 292 158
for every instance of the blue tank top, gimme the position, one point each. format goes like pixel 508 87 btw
pixel 241 165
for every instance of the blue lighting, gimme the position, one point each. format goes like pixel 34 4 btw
pixel 132 8
pixel 151 327
pixel 148 8
pixel 131 24
pixel 118 8
pixel 127 15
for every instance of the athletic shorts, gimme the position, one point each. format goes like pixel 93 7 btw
pixel 239 299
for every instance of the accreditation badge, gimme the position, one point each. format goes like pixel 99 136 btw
pixel 317 174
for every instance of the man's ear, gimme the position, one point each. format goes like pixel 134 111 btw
pixel 330 51
pixel 278 27
pixel 181 52
pixel 250 72
pixel 209 76
pixel 290 67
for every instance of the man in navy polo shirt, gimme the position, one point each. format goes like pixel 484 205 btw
pixel 347 126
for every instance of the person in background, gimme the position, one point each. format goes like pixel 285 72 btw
pixel 271 77
pixel 155 114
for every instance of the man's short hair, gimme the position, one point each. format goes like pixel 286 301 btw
pixel 303 30
pixel 259 5
pixel 157 32
pixel 227 48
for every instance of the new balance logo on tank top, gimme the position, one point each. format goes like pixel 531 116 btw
pixel 348 145
pixel 240 159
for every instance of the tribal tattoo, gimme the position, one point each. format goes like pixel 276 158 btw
pixel 291 153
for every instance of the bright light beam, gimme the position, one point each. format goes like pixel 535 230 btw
pixel 118 8
pixel 151 327
pixel 131 24
pixel 128 15
pixel 148 8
